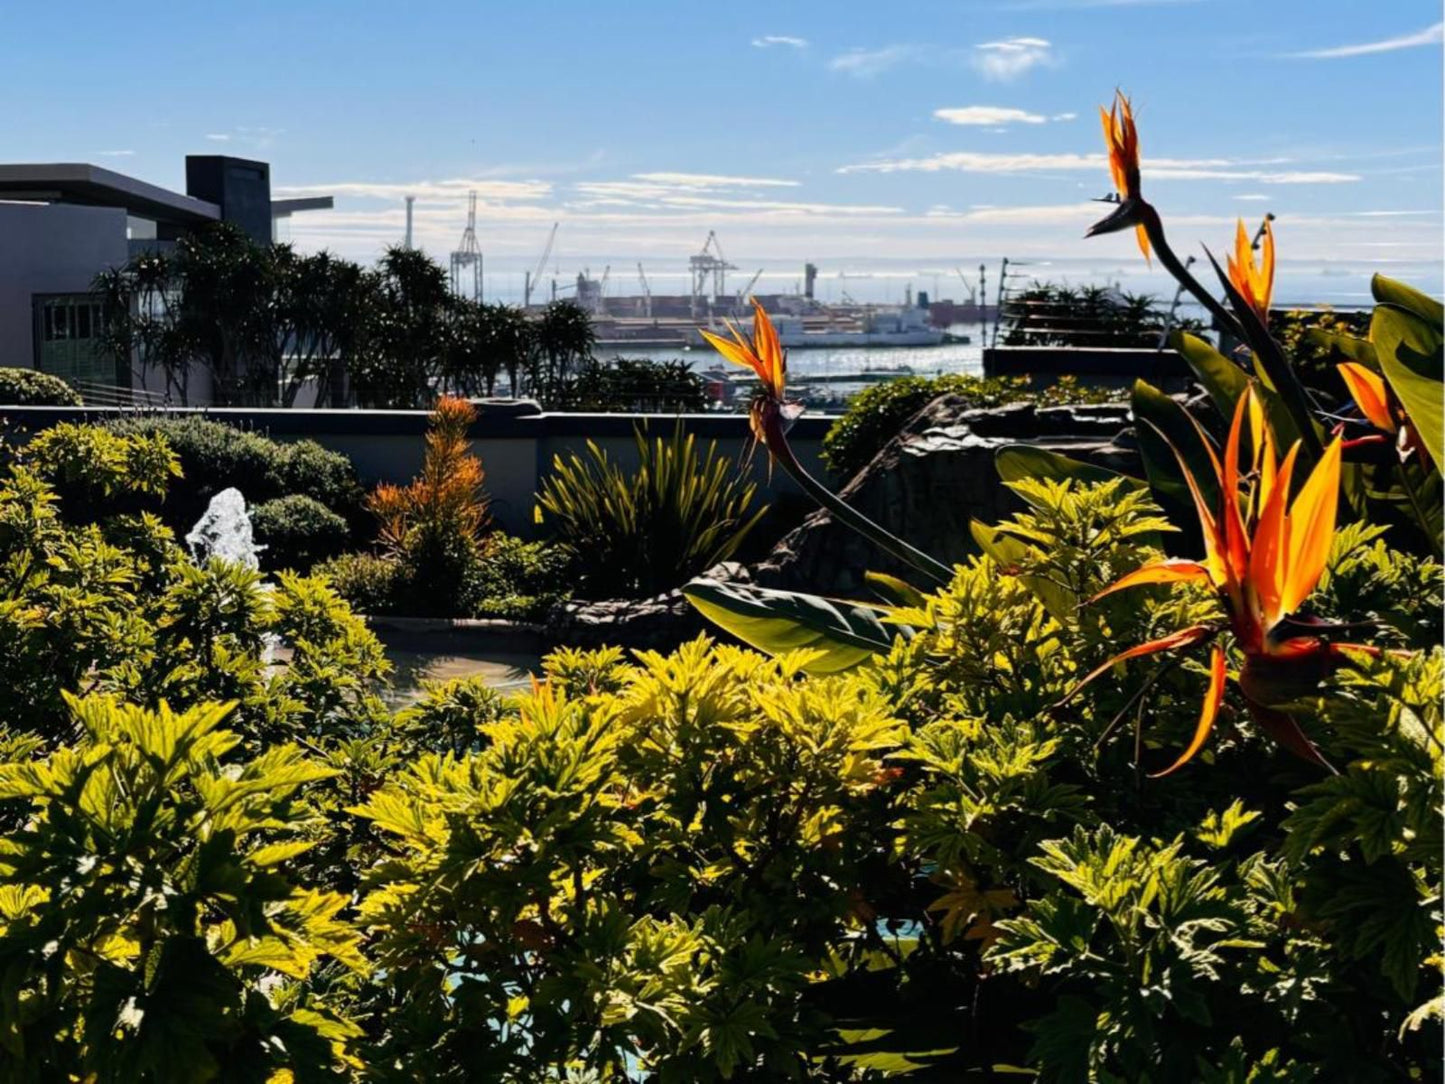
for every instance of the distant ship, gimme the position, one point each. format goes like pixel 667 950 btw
pixel 902 326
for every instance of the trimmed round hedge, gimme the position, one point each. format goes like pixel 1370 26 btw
pixel 215 456
pixel 31 387
pixel 297 532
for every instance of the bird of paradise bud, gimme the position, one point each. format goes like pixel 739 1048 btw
pixel 1254 283
pixel 1264 555
pixel 1133 211
pixel 1122 139
pixel 1382 408
pixel 770 416
pixel 771 413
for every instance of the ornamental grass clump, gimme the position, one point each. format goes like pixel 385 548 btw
pixel 637 533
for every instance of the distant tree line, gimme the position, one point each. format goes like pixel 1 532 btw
pixel 265 321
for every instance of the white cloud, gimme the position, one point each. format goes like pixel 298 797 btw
pixel 1252 196
pixel 1005 60
pixel 713 180
pixel 986 115
pixel 115 154
pixel 1064 116
pixel 767 41
pixel 447 190
pixel 1179 169
pixel 1432 35
pixel 219 137
pixel 866 63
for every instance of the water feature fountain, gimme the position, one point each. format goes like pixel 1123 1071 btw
pixel 224 531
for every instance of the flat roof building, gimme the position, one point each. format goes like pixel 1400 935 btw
pixel 62 224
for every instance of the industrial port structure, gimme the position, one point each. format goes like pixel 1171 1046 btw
pixel 649 318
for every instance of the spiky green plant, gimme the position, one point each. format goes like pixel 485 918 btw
pixel 635 534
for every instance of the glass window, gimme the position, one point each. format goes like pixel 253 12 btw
pixel 82 321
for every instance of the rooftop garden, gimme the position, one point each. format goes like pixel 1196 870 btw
pixel 1149 788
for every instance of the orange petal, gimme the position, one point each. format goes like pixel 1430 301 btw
pixel 1172 570
pixel 1267 559
pixel 1207 714
pixel 1266 271
pixel 1311 529
pixel 1186 637
pixel 1236 542
pixel 1367 389
pixel 733 352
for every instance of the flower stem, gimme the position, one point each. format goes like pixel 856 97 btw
pixel 777 445
pixel 1154 227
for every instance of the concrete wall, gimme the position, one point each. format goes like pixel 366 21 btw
pixel 515 440
pixel 50 249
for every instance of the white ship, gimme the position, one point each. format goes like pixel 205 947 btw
pixel 902 326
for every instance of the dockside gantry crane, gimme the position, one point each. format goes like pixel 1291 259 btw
pixel 709 263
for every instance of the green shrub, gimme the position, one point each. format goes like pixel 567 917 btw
pixel 516 579
pixel 875 415
pixel 146 908
pixel 297 531
pixel 501 577
pixel 706 865
pixel 634 535
pixel 31 387
pixel 367 581
pixel 215 456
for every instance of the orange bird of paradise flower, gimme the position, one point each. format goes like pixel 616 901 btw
pixel 771 412
pixel 1255 283
pixel 1382 409
pixel 1122 139
pixel 1264 555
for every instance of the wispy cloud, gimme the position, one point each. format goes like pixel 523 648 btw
pixel 767 41
pixel 866 63
pixel 713 180
pixel 1431 35
pixel 1064 116
pixel 1252 196
pixel 1182 169
pixel 987 115
pixel 219 137
pixel 115 154
pixel 1003 61
pixel 456 189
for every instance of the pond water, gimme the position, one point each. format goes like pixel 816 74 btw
pixel 415 663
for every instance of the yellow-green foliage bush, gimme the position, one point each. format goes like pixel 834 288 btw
pixel 706 865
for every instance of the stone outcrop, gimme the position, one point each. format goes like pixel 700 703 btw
pixel 932 479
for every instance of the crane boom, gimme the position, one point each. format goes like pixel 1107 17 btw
pixel 534 277
pixel 646 292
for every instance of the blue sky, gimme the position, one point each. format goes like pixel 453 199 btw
pixel 892 140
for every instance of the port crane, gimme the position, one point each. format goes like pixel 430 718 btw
pixel 708 264
pixel 600 303
pixel 467 254
pixel 646 292
pixel 534 277
pixel 745 291
pixel 972 296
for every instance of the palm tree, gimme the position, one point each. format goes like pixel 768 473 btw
pixel 564 339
